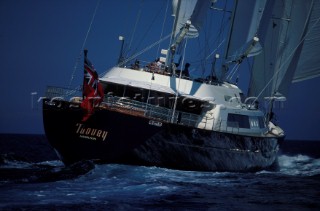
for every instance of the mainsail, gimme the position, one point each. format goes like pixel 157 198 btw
pixel 192 10
pixel 308 66
pixel 189 17
pixel 244 25
pixel 289 33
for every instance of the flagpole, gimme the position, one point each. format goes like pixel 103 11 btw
pixel 85 52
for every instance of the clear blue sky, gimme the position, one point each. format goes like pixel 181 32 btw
pixel 41 40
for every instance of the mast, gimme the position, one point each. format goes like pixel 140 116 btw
pixel 229 38
pixel 213 68
pixel 175 22
pixel 175 44
pixel 169 59
pixel 189 17
pixel 120 60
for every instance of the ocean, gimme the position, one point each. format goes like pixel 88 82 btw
pixel 33 178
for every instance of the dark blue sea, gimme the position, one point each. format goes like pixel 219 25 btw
pixel 32 178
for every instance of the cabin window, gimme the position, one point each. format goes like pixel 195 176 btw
pixel 238 120
pixel 227 98
pixel 254 122
pixel 257 122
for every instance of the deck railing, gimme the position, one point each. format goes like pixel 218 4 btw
pixel 154 111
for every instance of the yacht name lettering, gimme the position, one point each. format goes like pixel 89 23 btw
pixel 90 132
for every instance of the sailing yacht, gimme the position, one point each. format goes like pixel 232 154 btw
pixel 158 115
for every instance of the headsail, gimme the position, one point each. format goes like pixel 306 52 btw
pixel 290 39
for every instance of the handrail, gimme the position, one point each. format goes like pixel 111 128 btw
pixel 154 111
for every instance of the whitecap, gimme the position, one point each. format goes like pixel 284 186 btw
pixel 299 165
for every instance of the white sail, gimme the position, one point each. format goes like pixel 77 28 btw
pixel 308 66
pixel 244 26
pixel 287 35
pixel 192 10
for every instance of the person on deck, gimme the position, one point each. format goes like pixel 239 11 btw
pixel 136 65
pixel 186 70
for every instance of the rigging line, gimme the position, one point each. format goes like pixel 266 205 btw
pixel 201 65
pixel 250 67
pixel 223 25
pixel 180 74
pixel 290 55
pixel 205 46
pixel 163 24
pixel 232 21
pixel 149 28
pixel 127 24
pixel 135 25
pixel 208 57
pixel 84 43
pixel 238 65
pixel 286 35
pixel 221 31
pixel 141 52
pixel 206 35
pixel 233 71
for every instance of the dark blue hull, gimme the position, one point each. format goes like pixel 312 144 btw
pixel 111 136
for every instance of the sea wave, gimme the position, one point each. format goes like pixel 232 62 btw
pixel 16 171
pixel 299 165
pixel 113 186
pixel 36 181
pixel 54 170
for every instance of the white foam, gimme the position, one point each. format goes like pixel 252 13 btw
pixel 299 165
